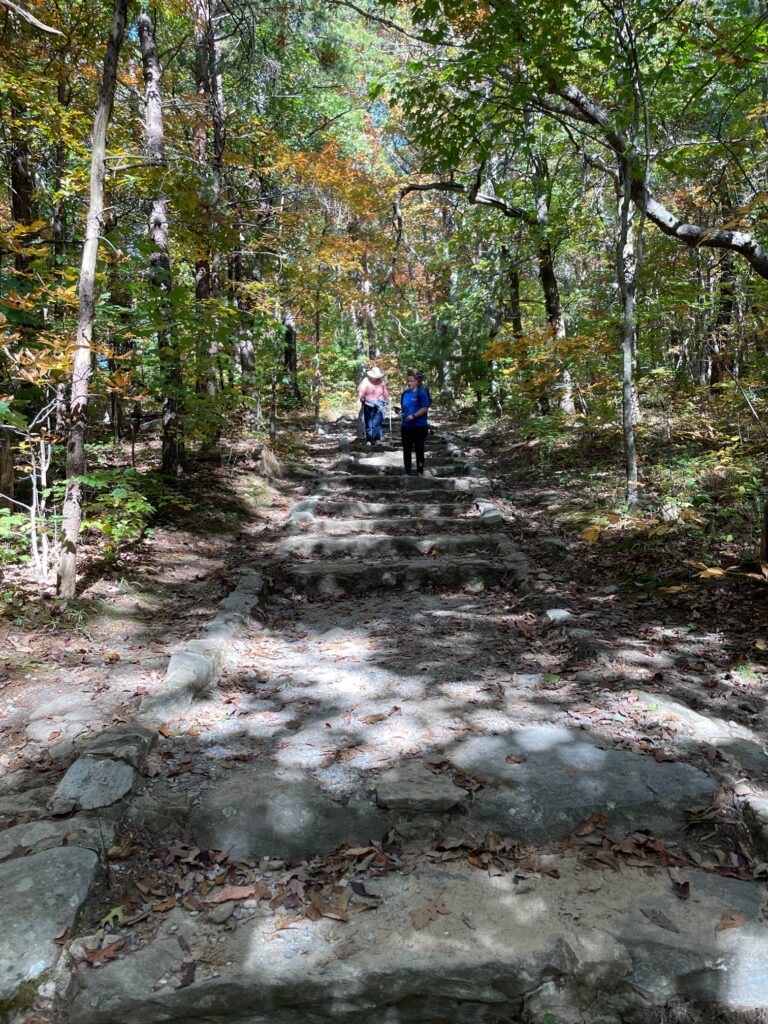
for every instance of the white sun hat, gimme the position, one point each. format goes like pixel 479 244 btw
pixel 375 373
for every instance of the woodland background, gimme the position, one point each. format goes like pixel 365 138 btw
pixel 215 214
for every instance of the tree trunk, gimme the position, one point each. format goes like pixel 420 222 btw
pixel 7 471
pixel 81 369
pixel 22 195
pixel 317 380
pixel 290 353
pixel 721 353
pixel 626 274
pixel 172 460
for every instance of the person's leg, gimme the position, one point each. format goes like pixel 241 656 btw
pixel 376 421
pixel 368 422
pixel 420 441
pixel 407 436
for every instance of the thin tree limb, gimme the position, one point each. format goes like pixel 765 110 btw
pixel 35 22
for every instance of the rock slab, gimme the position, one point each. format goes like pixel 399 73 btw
pixel 482 955
pixel 42 895
pixel 256 813
pixel 413 789
pixel 556 777
pixel 91 783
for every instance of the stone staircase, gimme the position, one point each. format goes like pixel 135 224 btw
pixel 424 839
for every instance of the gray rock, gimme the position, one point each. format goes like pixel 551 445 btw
pixel 42 895
pixel 582 940
pixel 559 615
pixel 124 742
pixel 62 707
pixel 187 675
pixel 756 815
pixel 44 835
pixel 564 776
pixel 161 810
pixel 90 783
pixel 45 731
pixel 553 544
pixel 414 789
pixel 247 596
pixel 255 813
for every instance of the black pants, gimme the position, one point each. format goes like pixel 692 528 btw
pixel 414 437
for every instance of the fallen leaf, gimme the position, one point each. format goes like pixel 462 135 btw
pixel 165 730
pixel 102 956
pixel 113 918
pixel 240 892
pixel 514 759
pixel 584 828
pixel 730 919
pixel 657 917
pixel 423 915
pixel 287 922
pixel 164 905
pixel 682 890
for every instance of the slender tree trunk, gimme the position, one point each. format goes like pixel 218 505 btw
pixel 81 369
pixel 317 380
pixel 22 193
pixel 7 471
pixel 172 460
pixel 202 19
pixel 290 353
pixel 626 274
pixel 721 353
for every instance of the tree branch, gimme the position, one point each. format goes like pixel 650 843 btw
pixel 30 18
pixel 474 196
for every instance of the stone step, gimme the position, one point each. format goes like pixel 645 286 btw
pixel 547 934
pixel 352 507
pixel 450 943
pixel 366 467
pixel 336 527
pixel 332 578
pixel 334 482
pixel 382 545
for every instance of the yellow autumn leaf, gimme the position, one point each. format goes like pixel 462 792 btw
pixel 591 534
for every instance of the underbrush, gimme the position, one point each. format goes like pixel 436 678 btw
pixel 697 483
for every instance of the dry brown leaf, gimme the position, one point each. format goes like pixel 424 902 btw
pixel 730 919
pixel 164 905
pixel 239 892
pixel 101 956
pixel 423 915
pixel 586 827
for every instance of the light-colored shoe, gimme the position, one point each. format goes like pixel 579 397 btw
pixel 367 444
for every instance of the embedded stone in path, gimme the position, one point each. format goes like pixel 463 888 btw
pixel 90 783
pixel 35 836
pixel 42 895
pixel 451 943
pixel 256 813
pixel 541 782
pixel 414 789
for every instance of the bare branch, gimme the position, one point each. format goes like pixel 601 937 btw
pixel 30 18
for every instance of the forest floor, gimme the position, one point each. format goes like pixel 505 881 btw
pixel 439 716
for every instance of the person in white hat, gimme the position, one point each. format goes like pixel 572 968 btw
pixel 374 395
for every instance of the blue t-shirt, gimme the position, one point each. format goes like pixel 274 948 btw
pixel 410 402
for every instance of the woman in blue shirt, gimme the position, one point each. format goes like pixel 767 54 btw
pixel 414 403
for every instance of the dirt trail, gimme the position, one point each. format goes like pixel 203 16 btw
pixel 414 794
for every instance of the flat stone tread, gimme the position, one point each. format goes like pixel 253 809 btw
pixel 384 543
pixel 408 525
pixel 450 943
